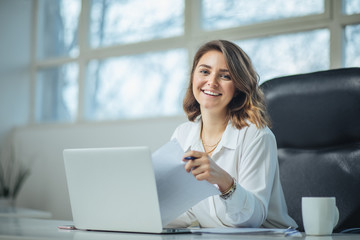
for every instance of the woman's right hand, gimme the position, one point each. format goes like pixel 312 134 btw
pixel 204 168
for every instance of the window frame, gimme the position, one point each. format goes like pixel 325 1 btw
pixel 332 19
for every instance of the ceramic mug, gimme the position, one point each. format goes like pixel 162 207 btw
pixel 320 215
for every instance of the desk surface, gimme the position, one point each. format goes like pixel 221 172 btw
pixel 29 228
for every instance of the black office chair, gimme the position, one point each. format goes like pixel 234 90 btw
pixel 316 121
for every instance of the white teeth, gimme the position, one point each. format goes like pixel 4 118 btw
pixel 211 93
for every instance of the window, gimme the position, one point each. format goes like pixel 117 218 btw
pixel 57 93
pixel 289 53
pixel 58 28
pixel 146 85
pixel 101 60
pixel 119 22
pixel 352 43
pixel 351 7
pixel 218 14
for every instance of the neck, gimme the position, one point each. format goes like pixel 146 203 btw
pixel 213 126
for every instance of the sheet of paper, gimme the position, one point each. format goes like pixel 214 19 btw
pixel 177 189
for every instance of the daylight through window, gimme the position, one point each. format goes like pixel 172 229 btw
pixel 99 60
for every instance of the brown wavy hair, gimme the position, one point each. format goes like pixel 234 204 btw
pixel 248 103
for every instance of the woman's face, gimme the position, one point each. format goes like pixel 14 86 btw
pixel 212 86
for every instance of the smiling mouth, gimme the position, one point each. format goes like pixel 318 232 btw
pixel 211 93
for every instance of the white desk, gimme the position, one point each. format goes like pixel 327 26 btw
pixel 28 228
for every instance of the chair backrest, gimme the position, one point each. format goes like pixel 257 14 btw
pixel 316 121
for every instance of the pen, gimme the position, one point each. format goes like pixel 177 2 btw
pixel 189 158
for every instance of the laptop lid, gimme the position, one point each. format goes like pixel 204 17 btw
pixel 113 189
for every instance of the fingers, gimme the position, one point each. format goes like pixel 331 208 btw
pixel 194 159
pixel 200 166
pixel 189 158
pixel 193 154
pixel 201 174
pixel 192 164
pixel 204 168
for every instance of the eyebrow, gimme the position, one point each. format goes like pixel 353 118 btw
pixel 207 66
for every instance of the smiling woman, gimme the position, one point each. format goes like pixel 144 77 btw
pixel 227 142
pixel 224 63
pixel 212 89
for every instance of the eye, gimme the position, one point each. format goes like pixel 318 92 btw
pixel 204 71
pixel 225 77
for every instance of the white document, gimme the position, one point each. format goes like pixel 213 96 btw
pixel 177 189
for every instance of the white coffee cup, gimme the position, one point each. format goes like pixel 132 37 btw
pixel 320 215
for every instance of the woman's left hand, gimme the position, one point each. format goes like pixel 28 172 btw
pixel 204 168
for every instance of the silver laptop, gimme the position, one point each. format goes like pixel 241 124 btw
pixel 114 189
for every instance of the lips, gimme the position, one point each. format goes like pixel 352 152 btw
pixel 211 93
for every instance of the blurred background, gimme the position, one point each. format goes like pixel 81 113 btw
pixel 106 73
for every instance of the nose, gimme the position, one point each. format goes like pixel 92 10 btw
pixel 212 81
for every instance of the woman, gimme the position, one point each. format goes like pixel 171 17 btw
pixel 229 143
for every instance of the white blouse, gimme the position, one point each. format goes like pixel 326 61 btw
pixel 250 156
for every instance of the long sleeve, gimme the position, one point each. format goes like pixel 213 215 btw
pixel 248 206
pixel 183 221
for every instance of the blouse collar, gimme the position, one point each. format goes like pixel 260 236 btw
pixel 229 139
